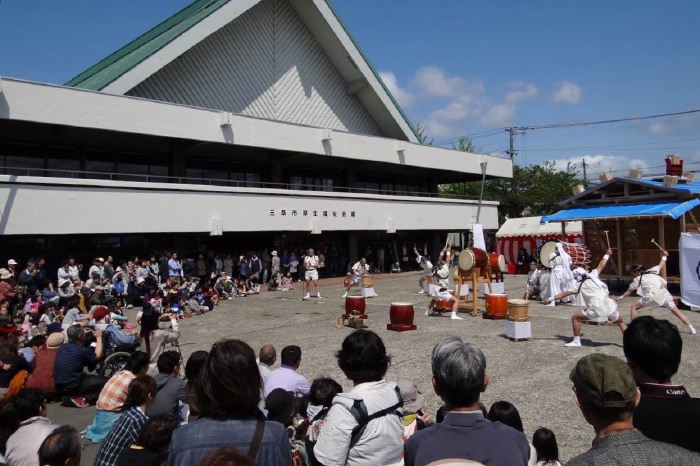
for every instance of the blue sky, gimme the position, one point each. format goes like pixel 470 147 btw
pixel 459 67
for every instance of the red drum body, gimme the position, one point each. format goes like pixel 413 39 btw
pixel 401 316
pixel 473 258
pixel 496 306
pixel 497 262
pixel 443 305
pixel 355 303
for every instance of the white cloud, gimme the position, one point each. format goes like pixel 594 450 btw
pixel 567 93
pixel 403 96
pixel 597 164
pixel 658 129
pixel 432 82
pixel 502 114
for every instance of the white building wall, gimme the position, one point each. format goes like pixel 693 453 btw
pixel 264 63
pixel 33 205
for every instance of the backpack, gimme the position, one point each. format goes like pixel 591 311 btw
pixel 359 412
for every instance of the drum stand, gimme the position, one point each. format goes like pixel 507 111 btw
pixel 477 277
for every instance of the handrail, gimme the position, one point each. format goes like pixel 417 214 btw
pixel 134 177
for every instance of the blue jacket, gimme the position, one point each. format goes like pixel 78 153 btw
pixel 118 338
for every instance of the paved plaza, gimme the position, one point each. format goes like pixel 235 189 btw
pixel 533 374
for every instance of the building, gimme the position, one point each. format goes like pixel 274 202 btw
pixel 234 124
pixel 632 213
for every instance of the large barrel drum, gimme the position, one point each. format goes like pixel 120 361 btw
pixel 401 317
pixel 473 258
pixel 496 306
pixel 355 303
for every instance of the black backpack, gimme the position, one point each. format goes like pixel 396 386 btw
pixel 359 412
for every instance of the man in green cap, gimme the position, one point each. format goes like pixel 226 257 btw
pixel 606 394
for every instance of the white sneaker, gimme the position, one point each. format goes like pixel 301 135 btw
pixel 307 297
pixel 345 295
pixel 456 317
pixel 318 295
pixel 421 292
pixel 129 306
pixel 428 312
pixel 692 330
pixel 573 343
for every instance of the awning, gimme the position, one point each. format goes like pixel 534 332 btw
pixel 651 209
pixel 532 226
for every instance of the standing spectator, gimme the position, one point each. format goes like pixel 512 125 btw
pixel 666 412
pixel 522 261
pixel 108 267
pixel 228 393
pixel 40 277
pixel 286 376
pixel 171 388
pixel 201 268
pixel 12 267
pixel 267 357
pixel 255 265
pixel 72 382
pixel 363 359
pixel 26 279
pixel 265 266
pixel 459 378
pixel 34 427
pixel 174 267
pixel 153 338
pixel 605 393
pixel 380 259
pixel 125 432
pixel 61 448
pixel 7 289
pixel 243 268
pixel 276 264
pixel 228 265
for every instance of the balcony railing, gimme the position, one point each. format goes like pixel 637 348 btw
pixel 184 180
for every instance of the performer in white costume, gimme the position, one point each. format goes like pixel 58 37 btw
pixel 427 268
pixel 360 269
pixel 652 289
pixel 561 277
pixel 443 295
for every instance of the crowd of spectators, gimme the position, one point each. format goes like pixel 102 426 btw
pixel 235 407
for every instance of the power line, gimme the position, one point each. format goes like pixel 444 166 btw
pixel 603 122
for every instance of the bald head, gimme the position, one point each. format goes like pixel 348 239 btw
pixel 268 355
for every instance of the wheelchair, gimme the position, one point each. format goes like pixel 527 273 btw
pixel 115 357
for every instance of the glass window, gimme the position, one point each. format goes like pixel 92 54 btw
pixel 158 173
pixel 252 180
pixel 99 165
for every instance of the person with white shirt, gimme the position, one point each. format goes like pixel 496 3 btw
pixel 443 295
pixel 359 269
pixel 267 358
pixel 427 268
pixel 311 264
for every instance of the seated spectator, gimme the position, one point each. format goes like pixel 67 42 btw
pixel 47 316
pixel 44 361
pixel 606 394
pixel 363 359
pixel 113 397
pixel 125 432
pixel 49 295
pixel 172 390
pixel 195 306
pixel 283 407
pixel 267 357
pixel 323 391
pixel 151 448
pixel 77 387
pixel 103 321
pixel 7 326
pixel 73 314
pixel 414 419
pixel 666 412
pixel 459 378
pixel 286 376
pixel 532 286
pixel 506 413
pixel 65 290
pixel 61 448
pixel 153 339
pixel 12 363
pixel 226 456
pixel 545 443
pixel 193 369
pixel 30 349
pixel 228 393
pixel 34 427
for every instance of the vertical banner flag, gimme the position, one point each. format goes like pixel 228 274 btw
pixel 478 232
pixel 690 269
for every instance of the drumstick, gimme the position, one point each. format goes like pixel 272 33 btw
pixel 657 244
pixel 607 238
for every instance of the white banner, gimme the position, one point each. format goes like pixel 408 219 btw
pixel 690 269
pixel 478 232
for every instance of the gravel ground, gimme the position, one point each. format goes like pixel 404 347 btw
pixel 533 375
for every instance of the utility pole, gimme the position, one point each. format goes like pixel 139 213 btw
pixel 511 150
pixel 585 178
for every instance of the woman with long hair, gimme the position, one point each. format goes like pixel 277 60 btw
pixel 228 393
pixel 193 369
pixel 125 432
pixel 11 363
pixel 153 338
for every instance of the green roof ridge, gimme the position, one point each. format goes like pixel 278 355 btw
pixel 90 79
pixel 374 71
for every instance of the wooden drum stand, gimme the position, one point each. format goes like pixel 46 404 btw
pixel 476 276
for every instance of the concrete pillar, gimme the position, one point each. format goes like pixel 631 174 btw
pixel 353 253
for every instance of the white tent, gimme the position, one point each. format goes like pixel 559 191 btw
pixel 530 233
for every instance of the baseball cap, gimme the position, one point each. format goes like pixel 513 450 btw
pixel 412 397
pixel 604 381
pixel 11 262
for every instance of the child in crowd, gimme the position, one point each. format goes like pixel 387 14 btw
pixel 545 443
pixel 287 282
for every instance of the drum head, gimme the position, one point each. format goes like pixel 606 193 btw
pixel 466 260
pixel 546 249
pixel 518 302
pixel 502 263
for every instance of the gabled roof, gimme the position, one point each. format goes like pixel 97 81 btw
pixel 615 191
pixel 139 59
